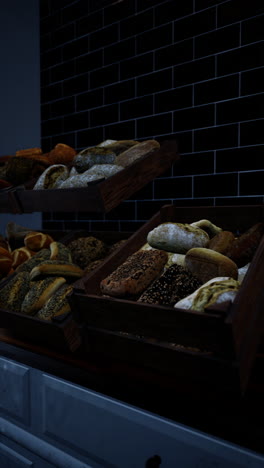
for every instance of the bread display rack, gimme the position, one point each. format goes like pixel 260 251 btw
pixel 216 349
pixel 99 196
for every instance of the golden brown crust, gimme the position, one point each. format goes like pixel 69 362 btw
pixel 222 242
pixel 29 151
pixel 20 256
pixel 13 292
pixel 39 294
pixel 207 264
pixel 62 154
pixel 244 247
pixel 56 268
pixel 135 274
pixel 5 261
pixel 37 240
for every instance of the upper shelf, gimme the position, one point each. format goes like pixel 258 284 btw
pixel 97 197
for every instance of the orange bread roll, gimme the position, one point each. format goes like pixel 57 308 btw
pixel 5 261
pixel 37 240
pixel 20 255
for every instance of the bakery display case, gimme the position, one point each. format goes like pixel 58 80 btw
pixel 101 195
pixel 221 341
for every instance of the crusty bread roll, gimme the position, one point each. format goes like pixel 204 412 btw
pixel 37 240
pixel 207 264
pixel 5 261
pixel 52 177
pixel 135 274
pixel 177 237
pixel 39 294
pixel 20 256
pixel 214 291
pixel 56 268
pixel 222 242
pixel 29 151
pixel 62 154
pixel 244 247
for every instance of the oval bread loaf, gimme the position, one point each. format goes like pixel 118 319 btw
pixel 37 240
pixel 244 247
pixel 221 242
pixel 207 264
pixel 177 237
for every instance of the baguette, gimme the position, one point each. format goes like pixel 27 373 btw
pixel 14 291
pixel 56 268
pixel 57 304
pixel 39 293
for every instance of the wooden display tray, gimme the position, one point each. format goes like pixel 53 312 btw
pixel 62 332
pixel 99 197
pixel 228 334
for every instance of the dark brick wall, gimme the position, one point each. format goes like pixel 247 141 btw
pixel 191 70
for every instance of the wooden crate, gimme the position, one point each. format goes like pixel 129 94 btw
pixel 99 197
pixel 61 332
pixel 227 336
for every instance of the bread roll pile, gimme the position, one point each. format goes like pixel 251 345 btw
pixel 205 266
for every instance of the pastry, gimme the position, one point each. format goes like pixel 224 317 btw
pixel 84 250
pixel 214 291
pixel 57 304
pixel 13 292
pixel 135 274
pixel 174 284
pixel 62 154
pixel 136 152
pixel 56 268
pixel 52 177
pixel 59 251
pixel 221 242
pixel 207 264
pixel 39 293
pixel 29 152
pixel 95 155
pixel 37 240
pixel 21 255
pixel 244 247
pixel 177 237
pixel 207 226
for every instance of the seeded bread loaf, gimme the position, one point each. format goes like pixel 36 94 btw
pixel 39 293
pixel 13 292
pixel 135 274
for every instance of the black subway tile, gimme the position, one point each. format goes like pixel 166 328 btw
pixel 218 185
pixel 202 4
pixel 239 159
pixel 89 100
pixel 126 210
pixel 194 202
pixel 216 89
pixel 235 10
pixel 45 42
pixel 75 85
pixel 50 23
pixel 251 183
pixel 62 71
pixel 51 127
pixel 46 145
pixel 44 8
pixel 119 10
pixel 147 209
pixel 89 23
pixel 104 37
pixel 238 201
pixel 145 193
pixel 121 131
pixel 45 112
pixel 225 136
pixel 119 91
pixel 62 106
pixel 89 137
pixel 194 117
pixel 149 126
pixel 76 226
pixel 75 48
pixel 171 10
pixel 174 99
pixel 51 57
pixel 119 51
pixel 173 188
pixel 84 216
pixel 89 62
pixel 53 226
pixel 75 11
pixel 241 59
pixel 217 41
pixel 130 226
pixel 184 140
pixel 154 82
pixel 245 108
pixel 104 225
pixel 252 81
pixel 136 66
pixel 95 5
pixel 174 54
pixel 61 216
pixel 136 108
pixel 62 35
pixel 197 70
pixel 251 133
pixel 136 24
pixel 44 78
pixel 75 122
pixel 195 163
pixel 66 138
pixel 153 39
pixel 104 76
pixel 252 30
pixel 195 24
pixel 104 115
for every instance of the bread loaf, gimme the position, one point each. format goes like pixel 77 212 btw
pixel 5 261
pixel 57 304
pixel 119 146
pixel 37 240
pixel 29 151
pixel 62 154
pixel 20 256
pixel 136 152
pixel 95 155
pixel 52 177
pixel 214 291
pixel 56 268
pixel 135 274
pixel 207 264
pixel 13 292
pixel 104 170
pixel 221 242
pixel 244 247
pixel 174 284
pixel 39 294
pixel 59 251
pixel 207 226
pixel 28 265
pixel 85 250
pixel 177 237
